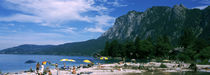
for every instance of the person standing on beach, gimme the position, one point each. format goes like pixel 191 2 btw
pixel 64 66
pixel 37 67
pixel 56 67
pixel 74 70
pixel 42 68
pixel 49 72
pixel 99 65
pixel 46 70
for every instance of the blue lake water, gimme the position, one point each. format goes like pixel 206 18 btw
pixel 16 63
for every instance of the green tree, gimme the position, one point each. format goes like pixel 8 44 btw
pixel 145 49
pixel 106 51
pixel 162 47
pixel 137 47
pixel 123 51
pixel 190 52
pixel 204 54
pixel 183 57
pixel 114 49
pixel 187 39
pixel 130 49
pixel 200 44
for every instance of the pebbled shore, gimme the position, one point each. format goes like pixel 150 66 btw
pixel 120 69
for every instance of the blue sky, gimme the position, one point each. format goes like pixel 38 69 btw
pixel 55 22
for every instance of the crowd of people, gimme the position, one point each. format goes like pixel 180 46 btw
pixel 41 70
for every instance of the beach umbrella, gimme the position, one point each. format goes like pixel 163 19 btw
pixel 71 60
pixel 44 62
pixel 64 59
pixel 104 58
pixel 87 61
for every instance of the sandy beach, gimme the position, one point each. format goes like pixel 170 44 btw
pixel 120 69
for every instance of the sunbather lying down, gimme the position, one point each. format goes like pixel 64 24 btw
pixel 86 72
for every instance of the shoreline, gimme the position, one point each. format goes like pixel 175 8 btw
pixel 122 69
pixel 46 54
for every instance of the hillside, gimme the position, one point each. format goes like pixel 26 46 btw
pixel 26 48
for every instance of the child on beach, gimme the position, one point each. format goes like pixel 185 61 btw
pixel 49 72
pixel 37 67
pixel 74 70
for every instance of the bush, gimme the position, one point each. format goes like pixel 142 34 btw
pixel 135 67
pixel 183 57
pixel 159 59
pixel 125 65
pixel 163 66
pixel 193 66
pixel 141 67
pixel 204 62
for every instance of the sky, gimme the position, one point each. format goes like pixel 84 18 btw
pixel 54 22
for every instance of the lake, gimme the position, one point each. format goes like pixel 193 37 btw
pixel 16 63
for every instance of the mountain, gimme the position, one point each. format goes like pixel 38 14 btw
pixel 160 21
pixel 77 48
pixel 26 48
pixel 85 48
pixel 154 22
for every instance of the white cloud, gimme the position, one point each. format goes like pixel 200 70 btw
pixel 21 18
pixel 104 20
pixel 100 23
pixel 67 30
pixel 56 12
pixel 95 30
pixel 201 7
pixel 11 24
pixel 116 3
pixel 51 12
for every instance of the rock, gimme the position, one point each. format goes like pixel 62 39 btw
pixel 30 61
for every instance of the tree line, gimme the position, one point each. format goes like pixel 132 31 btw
pixel 188 49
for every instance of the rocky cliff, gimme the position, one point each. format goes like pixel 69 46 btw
pixel 160 21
